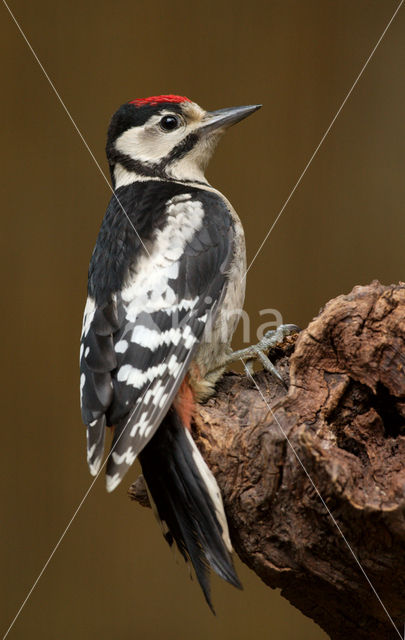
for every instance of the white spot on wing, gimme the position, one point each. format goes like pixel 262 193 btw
pixel 155 270
pixel 188 337
pixel 140 426
pixel 158 392
pixel 121 346
pixel 90 452
pixel 95 466
pixel 187 304
pixel 173 365
pixel 82 383
pixel 88 316
pixel 136 377
pixel 146 337
pixel 163 400
pixel 153 339
pixel 128 456
pixel 112 482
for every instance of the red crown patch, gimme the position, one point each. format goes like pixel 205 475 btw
pixel 141 102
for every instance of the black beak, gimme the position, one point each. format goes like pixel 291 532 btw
pixel 224 118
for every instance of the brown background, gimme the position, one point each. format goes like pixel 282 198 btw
pixel 113 576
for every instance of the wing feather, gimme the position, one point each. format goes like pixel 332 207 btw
pixel 137 347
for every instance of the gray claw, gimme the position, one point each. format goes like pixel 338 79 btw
pixel 269 366
pixel 270 340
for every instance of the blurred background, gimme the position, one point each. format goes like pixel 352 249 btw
pixel 113 575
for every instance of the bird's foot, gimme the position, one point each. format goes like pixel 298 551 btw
pixel 270 341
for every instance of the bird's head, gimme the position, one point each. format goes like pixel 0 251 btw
pixel 166 137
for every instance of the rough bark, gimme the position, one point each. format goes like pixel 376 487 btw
pixel 344 417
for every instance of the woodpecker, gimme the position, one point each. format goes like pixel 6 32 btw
pixel 165 292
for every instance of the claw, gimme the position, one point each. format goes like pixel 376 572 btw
pixel 270 340
pixel 269 366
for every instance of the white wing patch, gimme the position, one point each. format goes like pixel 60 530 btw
pixel 149 290
pixel 136 377
pixel 112 482
pixel 128 457
pixel 82 383
pixel 152 339
pixel 88 316
pixel 160 323
pixel 121 346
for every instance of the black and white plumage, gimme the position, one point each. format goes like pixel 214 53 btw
pixel 164 295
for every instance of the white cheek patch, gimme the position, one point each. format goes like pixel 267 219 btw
pixel 147 143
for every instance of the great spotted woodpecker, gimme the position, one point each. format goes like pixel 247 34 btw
pixel 165 291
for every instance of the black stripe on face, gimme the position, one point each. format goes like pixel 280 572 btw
pixel 158 169
pixel 181 149
pixel 144 169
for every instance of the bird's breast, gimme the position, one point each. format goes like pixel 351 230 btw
pixel 216 342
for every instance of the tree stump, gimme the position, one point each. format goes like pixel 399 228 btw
pixel 343 419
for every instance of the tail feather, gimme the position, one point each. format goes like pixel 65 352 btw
pixel 188 502
pixel 211 526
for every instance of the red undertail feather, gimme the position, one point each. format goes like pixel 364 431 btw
pixel 184 403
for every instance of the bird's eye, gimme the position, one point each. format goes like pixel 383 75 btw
pixel 169 123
